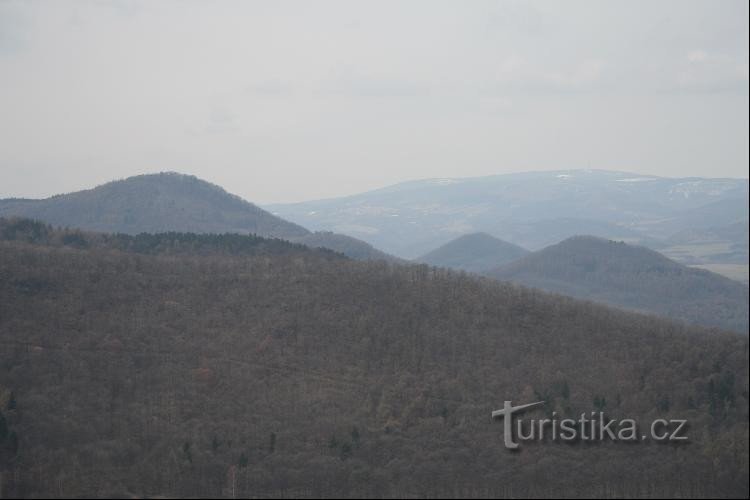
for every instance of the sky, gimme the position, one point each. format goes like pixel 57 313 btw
pixel 281 101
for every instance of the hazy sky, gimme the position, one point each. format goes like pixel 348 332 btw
pixel 286 101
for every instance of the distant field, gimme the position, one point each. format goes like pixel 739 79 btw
pixel 738 272
pixel 698 250
pixel 709 252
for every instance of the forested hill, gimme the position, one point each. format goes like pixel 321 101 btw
pixel 172 202
pixel 297 375
pixel 632 277
pixel 154 203
pixel 170 243
pixel 475 252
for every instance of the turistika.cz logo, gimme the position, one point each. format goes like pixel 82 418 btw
pixel 593 426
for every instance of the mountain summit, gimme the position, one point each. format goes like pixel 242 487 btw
pixel 170 201
pixel 474 252
pixel 154 203
pixel 632 277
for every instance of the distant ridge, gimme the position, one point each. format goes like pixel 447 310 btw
pixel 632 277
pixel 474 252
pixel 531 209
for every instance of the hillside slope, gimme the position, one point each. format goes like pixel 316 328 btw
pixel 632 277
pixel 314 376
pixel 351 247
pixel 475 252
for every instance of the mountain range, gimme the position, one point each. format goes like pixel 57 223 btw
pixel 170 339
pixel 537 209
pixel 620 275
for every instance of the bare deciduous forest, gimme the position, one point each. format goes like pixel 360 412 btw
pixel 230 366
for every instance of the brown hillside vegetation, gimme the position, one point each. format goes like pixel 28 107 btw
pixel 298 374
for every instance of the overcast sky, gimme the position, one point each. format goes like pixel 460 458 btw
pixel 286 101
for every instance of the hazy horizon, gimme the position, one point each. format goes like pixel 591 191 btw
pixel 376 188
pixel 265 99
